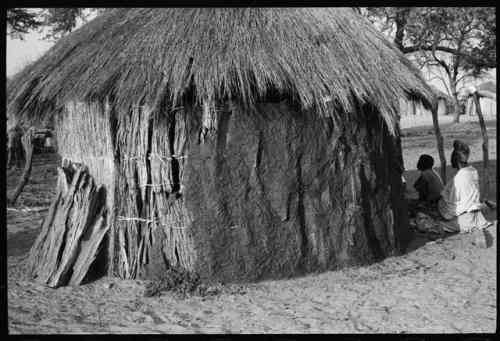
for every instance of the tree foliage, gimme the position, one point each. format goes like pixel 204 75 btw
pixel 61 21
pixel 468 32
pixel 21 21
pixel 55 22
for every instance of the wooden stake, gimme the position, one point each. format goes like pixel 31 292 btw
pixel 486 182
pixel 14 146
pixel 29 147
pixel 439 138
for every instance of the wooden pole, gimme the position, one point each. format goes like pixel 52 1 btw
pixel 14 146
pixel 486 182
pixel 470 103
pixel 10 148
pixel 29 147
pixel 439 138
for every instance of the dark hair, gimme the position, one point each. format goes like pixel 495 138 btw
pixel 425 162
pixel 460 154
pixel 462 146
pixel 462 157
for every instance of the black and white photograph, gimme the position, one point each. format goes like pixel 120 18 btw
pixel 251 170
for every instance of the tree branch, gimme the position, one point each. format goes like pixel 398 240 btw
pixel 465 75
pixel 441 62
pixel 472 59
pixel 446 87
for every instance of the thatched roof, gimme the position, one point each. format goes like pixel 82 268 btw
pixel 439 94
pixel 490 86
pixel 140 55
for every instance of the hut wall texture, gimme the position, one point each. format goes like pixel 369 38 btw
pixel 151 217
pixel 133 211
pixel 270 194
pixel 245 195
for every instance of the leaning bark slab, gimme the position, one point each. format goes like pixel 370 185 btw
pixel 72 230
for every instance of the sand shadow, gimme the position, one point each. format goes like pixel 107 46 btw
pixel 415 240
pixel 489 239
pixel 20 243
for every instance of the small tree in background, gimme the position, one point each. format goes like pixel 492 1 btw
pixel 457 42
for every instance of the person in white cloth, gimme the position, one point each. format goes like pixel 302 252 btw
pixel 460 205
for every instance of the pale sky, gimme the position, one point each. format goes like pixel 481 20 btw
pixel 21 52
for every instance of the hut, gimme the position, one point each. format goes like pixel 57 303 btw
pixel 238 144
pixel 487 98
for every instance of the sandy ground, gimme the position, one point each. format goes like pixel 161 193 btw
pixel 447 287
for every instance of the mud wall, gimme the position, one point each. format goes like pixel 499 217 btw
pixel 271 193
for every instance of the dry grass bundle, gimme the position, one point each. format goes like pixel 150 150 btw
pixel 174 220
pixel 140 55
pixel 83 132
pixel 167 159
pixel 132 140
pixel 161 161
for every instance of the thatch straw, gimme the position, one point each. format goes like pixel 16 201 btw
pixel 490 86
pixel 439 94
pixel 83 134
pixel 141 55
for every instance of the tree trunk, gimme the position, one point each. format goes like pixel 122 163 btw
pixel 29 147
pixel 456 102
pixel 439 139
pixel 72 230
pixel 486 181
pixel 401 19
pixel 456 110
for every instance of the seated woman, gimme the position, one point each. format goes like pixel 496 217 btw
pixel 429 184
pixel 459 204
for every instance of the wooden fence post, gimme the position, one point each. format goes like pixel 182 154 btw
pixel 439 138
pixel 486 181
